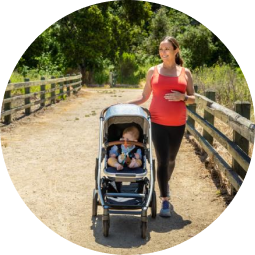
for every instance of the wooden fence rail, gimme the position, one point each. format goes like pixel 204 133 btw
pixel 63 85
pixel 238 147
pixel 238 120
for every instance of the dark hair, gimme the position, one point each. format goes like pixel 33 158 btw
pixel 173 41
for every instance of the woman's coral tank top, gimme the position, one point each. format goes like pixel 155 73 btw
pixel 164 112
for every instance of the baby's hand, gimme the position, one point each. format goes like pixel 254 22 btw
pixel 118 166
pixel 137 156
pixel 133 163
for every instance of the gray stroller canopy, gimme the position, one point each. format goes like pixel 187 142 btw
pixel 126 113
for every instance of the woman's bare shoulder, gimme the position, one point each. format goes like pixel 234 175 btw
pixel 151 71
pixel 187 71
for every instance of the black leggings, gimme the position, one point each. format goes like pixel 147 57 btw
pixel 167 141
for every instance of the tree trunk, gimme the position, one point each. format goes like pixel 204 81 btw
pixel 87 75
pixel 84 75
pixel 91 77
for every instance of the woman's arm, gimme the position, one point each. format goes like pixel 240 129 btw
pixel 146 91
pixel 190 87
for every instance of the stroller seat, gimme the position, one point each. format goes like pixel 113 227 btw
pixel 129 174
pixel 126 173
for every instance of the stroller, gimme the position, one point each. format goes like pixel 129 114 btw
pixel 137 192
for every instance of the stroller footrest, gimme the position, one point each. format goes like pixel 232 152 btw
pixel 128 195
pixel 125 212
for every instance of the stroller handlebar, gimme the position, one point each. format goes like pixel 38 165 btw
pixel 125 142
pixel 147 111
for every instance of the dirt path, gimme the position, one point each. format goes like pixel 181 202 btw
pixel 50 157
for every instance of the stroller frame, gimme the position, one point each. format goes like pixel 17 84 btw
pixel 99 193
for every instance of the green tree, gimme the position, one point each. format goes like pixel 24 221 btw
pixel 82 40
pixel 32 52
pixel 160 27
pixel 43 55
pixel 179 22
pixel 84 37
pixel 196 46
pixel 221 54
pixel 92 34
pixel 134 12
pixel 129 24
pixel 100 37
pixel 127 65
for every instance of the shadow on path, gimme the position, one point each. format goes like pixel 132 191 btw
pixel 125 230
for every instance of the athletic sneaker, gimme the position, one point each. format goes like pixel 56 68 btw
pixel 166 209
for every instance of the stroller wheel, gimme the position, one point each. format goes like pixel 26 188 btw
pixel 154 205
pixel 144 227
pixel 106 226
pixel 94 203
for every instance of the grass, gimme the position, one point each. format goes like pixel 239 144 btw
pixel 93 113
pixel 228 83
pixel 32 75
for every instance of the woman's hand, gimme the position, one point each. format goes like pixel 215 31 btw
pixel 174 96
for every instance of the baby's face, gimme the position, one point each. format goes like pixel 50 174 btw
pixel 129 137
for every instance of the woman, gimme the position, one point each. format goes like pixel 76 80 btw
pixel 172 87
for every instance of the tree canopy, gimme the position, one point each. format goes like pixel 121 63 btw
pixel 121 35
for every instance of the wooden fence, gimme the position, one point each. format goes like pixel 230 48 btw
pixel 238 146
pixel 49 91
pixel 238 120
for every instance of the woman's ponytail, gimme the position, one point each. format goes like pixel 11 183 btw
pixel 178 59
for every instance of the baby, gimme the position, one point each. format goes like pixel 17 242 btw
pixel 129 156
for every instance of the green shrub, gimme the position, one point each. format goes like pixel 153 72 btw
pixel 229 83
pixel 126 69
pixel 102 77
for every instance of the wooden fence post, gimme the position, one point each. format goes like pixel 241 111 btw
pixel 192 107
pixel 68 87
pixel 53 93
pixel 80 85
pixel 61 88
pixel 42 97
pixel 74 86
pixel 244 109
pixel 208 116
pixel 7 106
pixel 27 100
